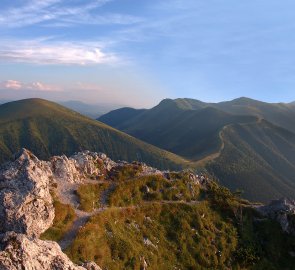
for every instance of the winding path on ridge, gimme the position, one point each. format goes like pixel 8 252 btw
pixel 67 195
pixel 213 156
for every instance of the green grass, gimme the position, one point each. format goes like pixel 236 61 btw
pixel 257 158
pixel 90 196
pixel 153 188
pixel 63 220
pixel 126 172
pixel 178 236
pixel 219 231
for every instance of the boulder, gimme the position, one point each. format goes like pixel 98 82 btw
pixel 20 252
pixel 25 202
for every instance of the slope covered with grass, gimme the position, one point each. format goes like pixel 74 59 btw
pixel 248 144
pixel 205 228
pixel 259 159
pixel 176 127
pixel 47 129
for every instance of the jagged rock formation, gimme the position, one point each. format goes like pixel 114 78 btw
pixel 25 201
pixel 283 211
pixel 21 252
pixel 26 210
pixel 80 166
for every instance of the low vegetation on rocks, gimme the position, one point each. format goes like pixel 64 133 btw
pixel 153 188
pixel 178 220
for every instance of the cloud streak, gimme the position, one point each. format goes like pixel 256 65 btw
pixel 58 53
pixel 56 13
pixel 32 86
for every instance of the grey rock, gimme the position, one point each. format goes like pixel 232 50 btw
pixel 65 169
pixel 20 252
pixel 283 211
pixel 91 266
pixel 25 202
pixel 26 211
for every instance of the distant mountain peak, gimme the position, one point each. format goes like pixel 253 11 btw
pixel 245 100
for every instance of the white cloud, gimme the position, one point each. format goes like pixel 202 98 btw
pixel 33 86
pixel 60 53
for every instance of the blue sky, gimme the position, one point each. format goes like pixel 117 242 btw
pixel 136 52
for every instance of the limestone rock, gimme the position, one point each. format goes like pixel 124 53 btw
pixel 80 166
pixel 91 266
pixel 20 252
pixel 65 169
pixel 25 201
pixel 283 211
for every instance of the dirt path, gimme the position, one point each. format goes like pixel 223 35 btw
pixel 215 155
pixel 69 237
pixel 67 195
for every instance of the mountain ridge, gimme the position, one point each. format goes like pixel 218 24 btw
pixel 49 128
pixel 192 129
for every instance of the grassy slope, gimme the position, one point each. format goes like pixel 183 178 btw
pixel 259 159
pixel 49 129
pixel 211 234
pixel 177 128
pixel 116 117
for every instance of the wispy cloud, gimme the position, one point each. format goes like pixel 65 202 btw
pixel 33 86
pixel 57 13
pixel 57 53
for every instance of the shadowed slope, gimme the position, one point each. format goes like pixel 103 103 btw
pixel 244 150
pixel 259 159
pixel 174 126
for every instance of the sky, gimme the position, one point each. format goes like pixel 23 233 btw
pixel 137 52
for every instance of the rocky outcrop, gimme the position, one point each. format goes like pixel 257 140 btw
pixel 65 169
pixel 26 210
pixel 25 202
pixel 283 211
pixel 81 166
pixel 18 251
